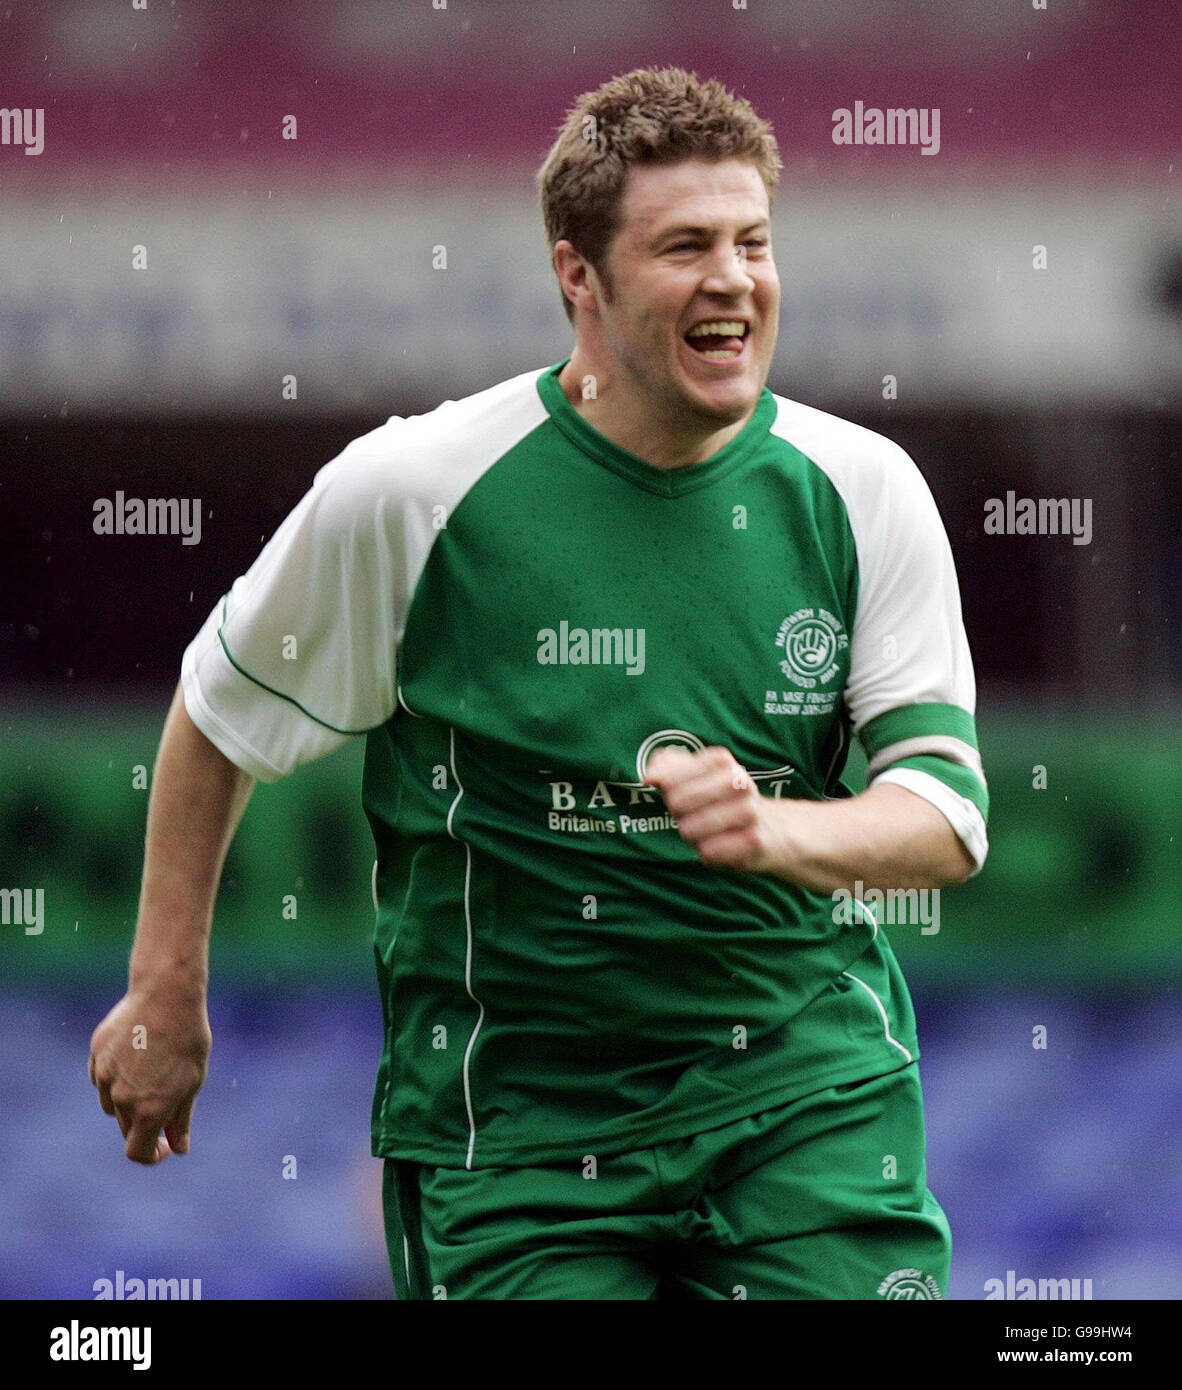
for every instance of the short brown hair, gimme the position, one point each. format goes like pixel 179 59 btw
pixel 647 116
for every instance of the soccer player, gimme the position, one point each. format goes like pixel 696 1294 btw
pixel 607 627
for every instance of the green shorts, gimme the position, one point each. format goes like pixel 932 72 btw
pixel 823 1198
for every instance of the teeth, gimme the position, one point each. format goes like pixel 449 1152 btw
pixel 727 328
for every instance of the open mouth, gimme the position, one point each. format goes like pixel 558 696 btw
pixel 719 340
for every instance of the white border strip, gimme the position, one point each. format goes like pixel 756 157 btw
pixel 886 1024
pixel 468 960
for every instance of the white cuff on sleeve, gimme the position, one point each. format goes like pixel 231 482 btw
pixel 964 817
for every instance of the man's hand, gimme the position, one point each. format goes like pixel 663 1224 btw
pixel 719 809
pixel 148 1059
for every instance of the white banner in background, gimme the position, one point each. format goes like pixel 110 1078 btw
pixel 386 302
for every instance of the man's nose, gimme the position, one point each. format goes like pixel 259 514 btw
pixel 730 270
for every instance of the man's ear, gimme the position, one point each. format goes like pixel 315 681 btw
pixel 574 271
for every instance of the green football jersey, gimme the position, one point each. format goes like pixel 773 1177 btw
pixel 518 613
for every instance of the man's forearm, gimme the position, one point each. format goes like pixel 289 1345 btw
pixel 886 837
pixel 197 800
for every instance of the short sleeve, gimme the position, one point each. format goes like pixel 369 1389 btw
pixel 911 693
pixel 300 655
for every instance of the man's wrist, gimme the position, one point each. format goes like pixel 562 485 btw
pixel 791 822
pixel 182 976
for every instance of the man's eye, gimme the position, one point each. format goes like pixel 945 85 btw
pixel 694 246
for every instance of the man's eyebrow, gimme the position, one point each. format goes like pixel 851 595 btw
pixel 699 231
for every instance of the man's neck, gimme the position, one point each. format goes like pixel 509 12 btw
pixel 626 421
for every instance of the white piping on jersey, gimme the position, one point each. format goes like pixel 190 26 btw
pixel 374 884
pixel 406 1260
pixel 468 959
pixel 886 1025
pixel 406 707
pixel 839 754
pixel 451 733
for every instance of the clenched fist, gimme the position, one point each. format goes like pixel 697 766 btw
pixel 148 1059
pixel 719 809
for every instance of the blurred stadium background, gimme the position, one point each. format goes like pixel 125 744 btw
pixel 317 258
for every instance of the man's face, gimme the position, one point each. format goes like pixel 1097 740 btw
pixel 693 246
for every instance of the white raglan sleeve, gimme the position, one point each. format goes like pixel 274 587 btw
pixel 300 654
pixel 911 693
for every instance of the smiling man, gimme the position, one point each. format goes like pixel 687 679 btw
pixel 608 627
pixel 679 326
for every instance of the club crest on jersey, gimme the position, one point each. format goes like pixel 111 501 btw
pixel 909 1283
pixel 811 639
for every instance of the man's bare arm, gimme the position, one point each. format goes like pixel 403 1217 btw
pixel 886 837
pixel 148 1057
